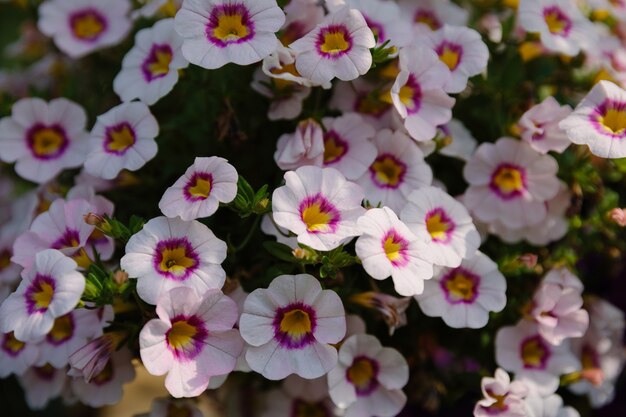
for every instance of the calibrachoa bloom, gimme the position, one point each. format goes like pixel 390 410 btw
pixel 399 168
pixel 43 138
pixel 61 227
pixel 444 223
pixel 290 326
pixel 319 205
pixel 338 47
pixel 106 387
pixel 198 193
pixel 216 32
pixel 347 144
pixel 192 340
pixel 418 93
pixel 458 140
pixel 509 183
pixel 123 138
pixel 599 121
pixel 80 27
pixel 464 296
pixel 49 289
pixel 300 397
pixel 171 253
pixel 429 15
pixel 42 384
pixel 303 147
pixel 360 96
pixel 463 52
pixel 538 405
pixel 150 70
pixel 521 349
pixel 560 24
pixel 501 396
pixel 16 356
pixel 368 379
pixel 388 248
pixel 540 126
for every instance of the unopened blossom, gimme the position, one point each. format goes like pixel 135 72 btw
pixel 49 289
pixel 501 397
pixel 540 126
pixel 217 32
pixel 42 384
pixel 399 169
pixel 552 228
pixel 123 138
pixel 191 340
pixel 43 138
pixel 172 253
pixel 62 228
pixel 348 144
pixel 464 296
pixel 88 361
pixel 457 139
pixel 558 312
pixel 290 327
pixel 510 182
pixel 430 15
pixel 150 70
pixel 521 349
pixel 384 18
pixel 392 309
pixel 418 93
pixel 560 24
pixel 303 147
pixel 338 47
pixel 319 205
pixel 80 27
pixel 368 378
pixel 199 192
pixel 388 248
pixel 106 388
pixel 443 223
pixel 298 396
pixel 69 333
pixel 462 50
pixel 16 356
pixel 599 121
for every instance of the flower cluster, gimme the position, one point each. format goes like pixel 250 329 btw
pixel 408 191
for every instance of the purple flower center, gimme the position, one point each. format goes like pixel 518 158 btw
pixel 460 286
pixel 450 54
pixel 68 240
pixel 229 24
pixel 535 352
pixel 175 259
pixel 11 345
pixel 88 25
pixel 186 337
pixel 198 187
pixel 157 64
pixel 333 41
pixel 294 325
pixel 411 95
pixel 47 142
pixel 62 330
pixel 428 18
pixel 40 294
pixel 119 139
pixel 558 22
pixel 363 374
pixel 45 373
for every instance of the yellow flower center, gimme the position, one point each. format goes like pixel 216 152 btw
pixel 176 260
pixel 388 171
pixel 159 63
pixel 557 22
pixel 296 323
pixel 508 181
pixel 62 330
pixel 181 335
pixel 47 141
pixel 334 40
pixel 120 138
pixel 318 215
pixel 362 373
pixel 394 247
pixel 334 148
pixel 438 225
pixel 281 83
pixel 450 55
pixel 534 353
pixel 11 344
pixel 614 120
pixel 230 25
pixel 200 187
pixel 87 25
pixel 427 18
pixel 461 286
pixel 41 295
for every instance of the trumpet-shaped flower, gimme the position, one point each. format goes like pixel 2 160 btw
pixel 540 126
pixel 290 327
pixel 501 396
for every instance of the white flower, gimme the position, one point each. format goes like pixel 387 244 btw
pixel 443 223
pixel 123 138
pixel 290 326
pixel 150 69
pixel 41 384
pixel 599 121
pixel 80 27
pixel 216 32
pixel 198 193
pixel 540 126
pixel 501 396
pixel 399 168
pixel 303 147
pixel 319 205
pixel 49 289
pixel 368 379
pixel 171 253
pixel 338 47
pixel 44 138
pixel 16 356
pixel 388 248
pixel 429 15
pixel 464 296
pixel 418 93
pixel 458 140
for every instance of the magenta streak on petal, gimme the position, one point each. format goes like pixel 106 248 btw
pixel 416 101
pixel 397 239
